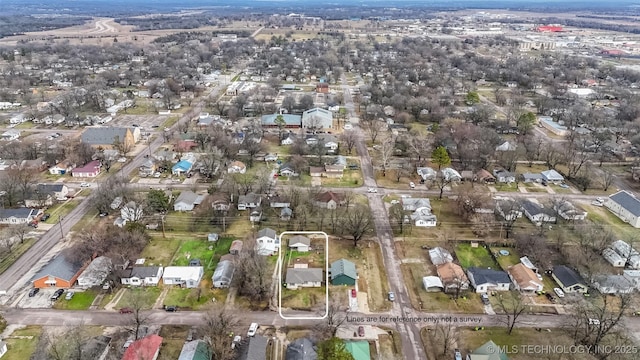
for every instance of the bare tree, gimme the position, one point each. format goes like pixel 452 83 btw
pixel 357 222
pixel 397 215
pixel 373 128
pixel 218 324
pixel 606 178
pixel 139 317
pixel 252 271
pixel 336 316
pixel 20 231
pixel 511 306
pixel 349 138
pixel 386 153
pixel 445 338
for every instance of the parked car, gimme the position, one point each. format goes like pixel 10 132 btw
pixel 372 190
pixel 550 297
pixel 126 310
pixel 361 331
pixel 45 217
pixel 564 186
pixel 33 292
pixel 485 299
pixel 391 296
pixel 412 185
pixel 353 293
pixel 253 328
pixel 33 224
pixel 56 295
pixel 596 203
pixel 85 185
pixel 69 295
pixel 236 341
pixel 594 322
pixel 558 292
pixel 171 308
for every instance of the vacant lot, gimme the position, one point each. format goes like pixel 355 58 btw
pixel 304 298
pixel 469 256
pixel 187 222
pixel 160 250
pixel 143 298
pixel 22 343
pixel 351 178
pixel 173 338
pixel 192 299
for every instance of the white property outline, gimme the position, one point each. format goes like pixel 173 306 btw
pixel 326 270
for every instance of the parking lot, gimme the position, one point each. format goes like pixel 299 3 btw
pixel 41 300
pixel 147 122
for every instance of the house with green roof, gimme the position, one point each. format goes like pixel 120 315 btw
pixel 343 272
pixel 358 349
pixel 488 351
pixel 195 350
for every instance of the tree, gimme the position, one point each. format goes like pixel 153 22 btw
pixel 357 222
pixel 511 305
pixel 157 201
pixel 252 272
pixel 216 330
pixel 373 128
pixel 525 122
pixel 444 336
pixel 138 317
pixel 397 215
pixel 123 146
pixel 607 178
pixel 471 98
pixel 336 316
pixel 306 102
pixel 440 156
pixel 289 103
pixel 386 153
pixel 349 139
pixel 67 343
pixel 20 231
pixel 333 349
pixel 281 123
pixel 132 212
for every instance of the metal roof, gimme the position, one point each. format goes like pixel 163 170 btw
pixel 627 201
pixel 58 267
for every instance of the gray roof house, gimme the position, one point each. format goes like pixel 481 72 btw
pixel 96 272
pixel 249 201
pixel 426 173
pixel 187 200
pixel 412 204
pixel 255 349
pixel 440 256
pixel 267 242
pixel 551 176
pixel 17 216
pixel 223 274
pixel 536 213
pixel 626 206
pixel 627 252
pixel 59 272
pixel 613 258
pixel 531 178
pixel 568 279
pixel 613 284
pixel 301 349
pixel 141 275
pixel 484 280
pixel 310 277
pixel 300 243
pixel 106 135
pixel 568 211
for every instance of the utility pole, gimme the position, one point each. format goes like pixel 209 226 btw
pixel 163 233
pixel 60 218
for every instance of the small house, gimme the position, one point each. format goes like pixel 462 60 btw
pixel 524 278
pixel 485 280
pixel 627 252
pixel 236 247
pixel 613 284
pixel 146 348
pixel 453 277
pixel 504 176
pixel 297 278
pixel 267 242
pixel 343 272
pixel 141 276
pixel 17 216
pixel 569 280
pixel 568 211
pixel 89 170
pixel 185 276
pixel 300 243
pixel 96 272
pixel 255 215
pixel 223 274
pixel 432 284
pixel 536 213
pixel 329 200
pixel 427 173
pixel 440 256
pixel 552 176
pixel 613 258
pixel 187 200
pixel 249 201
pixel 286 214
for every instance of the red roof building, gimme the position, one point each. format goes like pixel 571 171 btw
pixel 92 169
pixel 146 348
pixel 612 52
pixel 549 28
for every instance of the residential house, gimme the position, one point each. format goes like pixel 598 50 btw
pixel 440 256
pixel 107 137
pixel 249 201
pixel 290 121
pixel 524 278
pixel 279 202
pixel 10 135
pixel 146 348
pixel 288 140
pixel 613 284
pixel 359 350
pixel 316 171
pixel 484 176
pixel 568 211
pixel 487 352
pixel 237 167
pixel 333 171
pixel 195 350
pixel 187 200
pixel 223 274
pixel 633 276
pixel 317 119
pixel 96 272
pixel 185 276
pixel 329 200
pixel 220 201
pixel 322 88
pixel 255 348
pixel 504 176
pixel 507 146
pixel 552 176
pixel 148 167
pixel 627 252
pixel 141 276
pixel 59 169
pixel 449 174
pixel 485 280
pixel 59 272
pixel 531 178
pixel 432 284
pixel 267 242
pixel 626 206
pixel 91 169
pixel 288 170
pixel 301 349
pixel 271 157
pixel 423 217
pixel 182 167
pixel 453 277
pixel 568 279
pixel 300 243
pixel 343 272
pixel 536 213
pixel 427 173
pixel 509 209
pixel 18 216
pixel 413 204
pixel 613 258
pixel 286 213
pixel 57 191
pixel 236 247
pixel 255 215
pixel 297 278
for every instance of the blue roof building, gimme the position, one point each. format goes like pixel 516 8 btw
pixel 182 167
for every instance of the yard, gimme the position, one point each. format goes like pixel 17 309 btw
pixel 506 260
pixel 350 178
pixel 22 343
pixel 81 301
pixel 173 338
pixel 601 215
pixel 143 298
pixel 194 249
pixel 60 210
pixel 304 298
pixel 469 256
pixel 17 251
pixel 187 222
pixel 193 299
pixel 160 250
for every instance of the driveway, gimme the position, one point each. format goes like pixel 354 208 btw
pixel 42 300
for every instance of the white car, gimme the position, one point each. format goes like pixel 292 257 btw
pixel 594 322
pixel 412 185
pixel 372 190
pixel 253 328
pixel 596 203
pixel 236 341
pixel 85 185
pixel 559 292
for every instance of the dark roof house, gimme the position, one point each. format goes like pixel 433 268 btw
pixel 568 279
pixel 301 349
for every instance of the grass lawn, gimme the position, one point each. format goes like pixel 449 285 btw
pixel 304 298
pixel 190 298
pixel 170 121
pixel 240 227
pixel 194 249
pixel 186 222
pixel 81 301
pixel 86 220
pixel 506 187
pixel 506 260
pixel 17 251
pixel 60 210
pixel 160 250
pixel 146 297
pixel 470 257
pixel 21 349
pixel 601 215
pixel 173 338
pixel 350 178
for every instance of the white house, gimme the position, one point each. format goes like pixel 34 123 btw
pixel 423 217
pixel 249 201
pixel 450 174
pixel 440 256
pixel 267 242
pixel 317 119
pixel 187 200
pixel 613 284
pixel 432 284
pixel 536 213
pixel 95 273
pixel 551 176
pixel 297 278
pixel 237 167
pixel 185 276
pixel 141 276
pixel 633 276
pixel 627 252
pixel 613 258
pixel 484 280
pixel 17 216
pixel 300 243
pixel 625 206
pixel 426 173
pixel 223 274
pixel 10 135
pixel 568 211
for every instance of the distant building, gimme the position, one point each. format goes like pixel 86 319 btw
pixel 106 137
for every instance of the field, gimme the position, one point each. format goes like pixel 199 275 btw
pixel 474 257
pixel 304 298
pixel 160 250
pixel 350 178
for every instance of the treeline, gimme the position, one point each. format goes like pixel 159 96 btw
pixel 614 18
pixel 201 36
pixel 18 25
pixel 169 22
